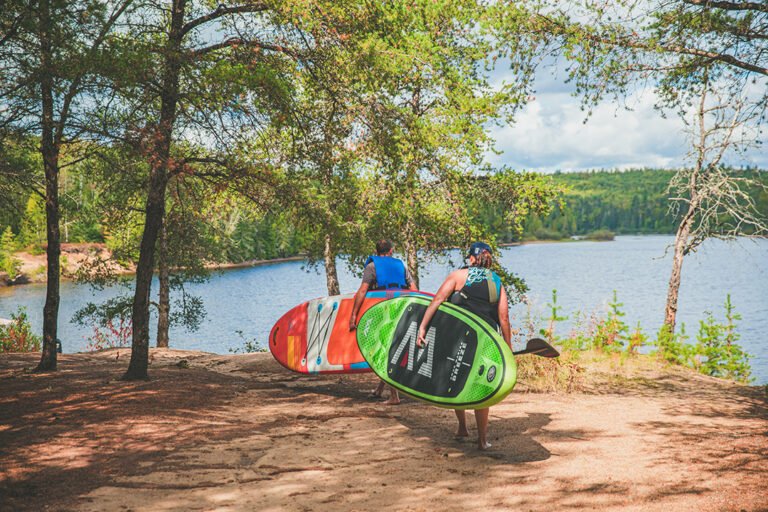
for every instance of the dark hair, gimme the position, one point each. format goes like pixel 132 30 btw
pixel 383 246
pixel 484 259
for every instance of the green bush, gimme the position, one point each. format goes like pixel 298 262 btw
pixel 718 353
pixel 18 336
pixel 672 346
pixel 8 246
pixel 601 235
pixel 548 234
pixel 611 331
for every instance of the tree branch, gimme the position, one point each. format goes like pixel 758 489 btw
pixel 223 10
pixel 730 6
pixel 75 85
pixel 235 42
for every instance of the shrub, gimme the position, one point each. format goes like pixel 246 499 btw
pixel 553 318
pixel 115 333
pixel 717 353
pixel 249 345
pixel 601 235
pixel 548 234
pixel 636 340
pixel 18 336
pixel 8 263
pixel 611 331
pixel 671 347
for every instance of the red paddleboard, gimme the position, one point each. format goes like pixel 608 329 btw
pixel 314 337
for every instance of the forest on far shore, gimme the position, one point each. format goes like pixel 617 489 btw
pixel 594 204
pixel 620 202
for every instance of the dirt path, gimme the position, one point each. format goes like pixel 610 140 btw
pixel 241 433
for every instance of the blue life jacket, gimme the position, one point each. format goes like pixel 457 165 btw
pixel 390 272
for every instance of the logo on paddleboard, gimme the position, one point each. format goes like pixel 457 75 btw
pixel 409 342
pixel 458 361
pixel 491 374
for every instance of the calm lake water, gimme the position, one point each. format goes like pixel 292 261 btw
pixel 584 273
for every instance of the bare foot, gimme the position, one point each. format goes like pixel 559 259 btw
pixel 462 432
pixel 483 445
pixel 392 401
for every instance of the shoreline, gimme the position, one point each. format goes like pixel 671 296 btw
pixel 74 254
pixel 33 268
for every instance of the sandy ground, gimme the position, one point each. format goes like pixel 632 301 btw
pixel 241 433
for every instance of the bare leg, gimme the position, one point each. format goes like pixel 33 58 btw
pixel 481 416
pixel 394 397
pixel 376 393
pixel 462 417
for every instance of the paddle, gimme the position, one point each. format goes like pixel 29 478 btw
pixel 539 347
pixel 535 346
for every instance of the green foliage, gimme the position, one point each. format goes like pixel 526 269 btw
pixel 601 235
pixel 599 204
pixel 719 355
pixel 554 317
pixel 250 345
pixel 18 336
pixel 637 339
pixel 672 346
pixel 8 263
pixel 33 231
pixel 611 331
pixel 715 352
pixel 582 333
pixel 116 310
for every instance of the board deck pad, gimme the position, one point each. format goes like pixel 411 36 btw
pixel 465 364
pixel 314 337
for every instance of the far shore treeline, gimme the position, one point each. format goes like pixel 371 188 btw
pixel 594 204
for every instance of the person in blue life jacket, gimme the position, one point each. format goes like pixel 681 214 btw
pixel 382 272
pixel 478 289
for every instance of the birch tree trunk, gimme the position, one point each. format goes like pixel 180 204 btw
pixel 411 256
pixel 331 274
pixel 673 290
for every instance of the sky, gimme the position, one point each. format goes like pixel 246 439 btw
pixel 550 134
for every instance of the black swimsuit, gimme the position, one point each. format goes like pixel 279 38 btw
pixel 480 294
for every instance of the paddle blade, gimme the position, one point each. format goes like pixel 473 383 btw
pixel 538 347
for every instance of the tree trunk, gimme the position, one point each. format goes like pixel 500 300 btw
pixel 164 304
pixel 50 154
pixel 155 209
pixel 411 258
pixel 681 240
pixel 331 275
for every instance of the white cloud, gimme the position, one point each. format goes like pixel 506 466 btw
pixel 550 134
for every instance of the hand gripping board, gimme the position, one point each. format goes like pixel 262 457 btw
pixel 465 365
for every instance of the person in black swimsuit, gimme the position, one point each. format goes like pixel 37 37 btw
pixel 478 289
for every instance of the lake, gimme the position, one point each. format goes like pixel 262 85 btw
pixel 584 274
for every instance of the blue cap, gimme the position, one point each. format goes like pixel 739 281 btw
pixel 476 248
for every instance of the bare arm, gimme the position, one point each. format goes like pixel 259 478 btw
pixel 506 332
pixel 445 291
pixel 359 298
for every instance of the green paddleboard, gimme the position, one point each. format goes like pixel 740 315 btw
pixel 465 365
